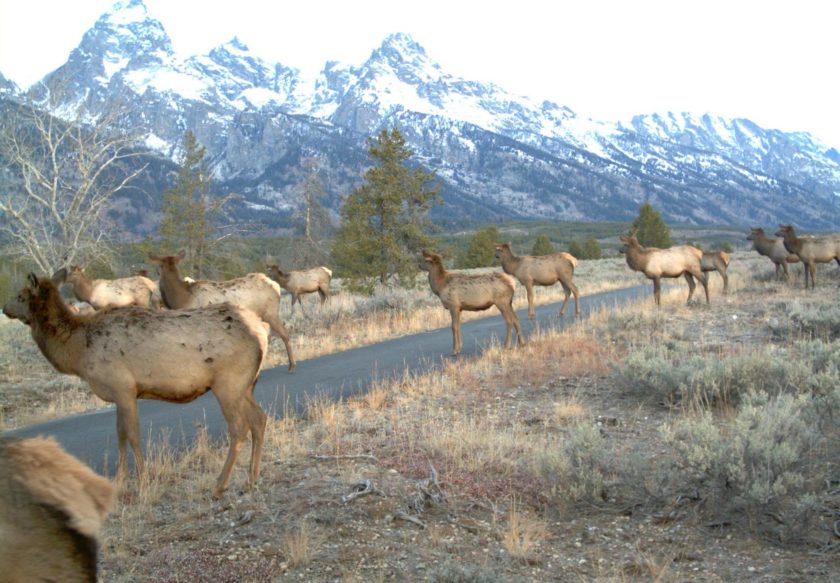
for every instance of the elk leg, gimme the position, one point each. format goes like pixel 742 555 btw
pixel 691 286
pixel 128 429
pixel 570 287
pixel 455 314
pixel 725 280
pixel 656 290
pixel 703 278
pixel 277 326
pixel 532 312
pixel 257 420
pixel 232 408
pixel 511 320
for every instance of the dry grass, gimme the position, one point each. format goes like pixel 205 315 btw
pixel 523 533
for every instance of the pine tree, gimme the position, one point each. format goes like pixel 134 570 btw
pixel 481 251
pixel 384 222
pixel 650 229
pixel 188 213
pixel 542 246
pixel 591 249
pixel 575 249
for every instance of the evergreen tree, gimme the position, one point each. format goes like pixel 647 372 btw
pixel 575 249
pixel 481 251
pixel 591 249
pixel 650 229
pixel 542 246
pixel 384 222
pixel 188 213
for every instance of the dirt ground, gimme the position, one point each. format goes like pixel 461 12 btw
pixel 354 494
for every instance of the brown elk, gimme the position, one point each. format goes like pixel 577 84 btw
pixel 716 261
pixel 169 355
pixel 255 291
pixel 52 507
pixel 810 250
pixel 658 263
pixel 303 282
pixel 472 292
pixel 110 293
pixel 774 249
pixel 541 270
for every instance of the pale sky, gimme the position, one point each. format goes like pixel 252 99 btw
pixel 776 63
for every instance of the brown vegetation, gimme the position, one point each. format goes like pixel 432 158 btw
pixel 472 292
pixel 541 270
pixel 303 282
pixel 774 249
pixel 110 293
pixel 52 507
pixel 254 291
pixel 137 353
pixel 716 261
pixel 810 250
pixel 658 263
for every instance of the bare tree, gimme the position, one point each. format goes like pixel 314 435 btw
pixel 311 215
pixel 63 172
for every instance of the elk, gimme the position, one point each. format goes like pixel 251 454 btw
pixel 716 261
pixel 774 249
pixel 540 270
pixel 810 250
pixel 110 293
pixel 303 282
pixel 52 507
pixel 170 355
pixel 472 292
pixel 254 291
pixel 658 263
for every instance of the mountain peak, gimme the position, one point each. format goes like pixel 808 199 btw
pixel 126 12
pixel 403 43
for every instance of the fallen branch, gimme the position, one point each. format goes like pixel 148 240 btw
pixel 428 492
pixel 361 456
pixel 362 488
pixel 408 518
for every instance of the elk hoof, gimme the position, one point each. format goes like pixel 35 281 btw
pixel 292 368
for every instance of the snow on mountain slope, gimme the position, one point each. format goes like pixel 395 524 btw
pixel 498 154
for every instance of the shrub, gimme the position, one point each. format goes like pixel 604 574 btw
pixel 713 379
pixel 575 470
pixel 770 462
pixel 816 321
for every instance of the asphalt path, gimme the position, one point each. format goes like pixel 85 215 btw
pixel 92 436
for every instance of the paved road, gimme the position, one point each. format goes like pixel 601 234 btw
pixel 92 436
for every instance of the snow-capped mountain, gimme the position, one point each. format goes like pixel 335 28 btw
pixel 496 154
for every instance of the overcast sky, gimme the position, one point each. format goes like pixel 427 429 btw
pixel 773 62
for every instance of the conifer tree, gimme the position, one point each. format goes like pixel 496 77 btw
pixel 575 249
pixel 542 246
pixel 650 229
pixel 384 222
pixel 591 249
pixel 188 212
pixel 481 251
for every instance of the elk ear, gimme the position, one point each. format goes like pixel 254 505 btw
pixel 59 276
pixel 33 279
pixel 154 258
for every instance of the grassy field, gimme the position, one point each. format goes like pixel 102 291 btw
pixel 680 443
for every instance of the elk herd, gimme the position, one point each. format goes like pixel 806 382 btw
pixel 214 335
